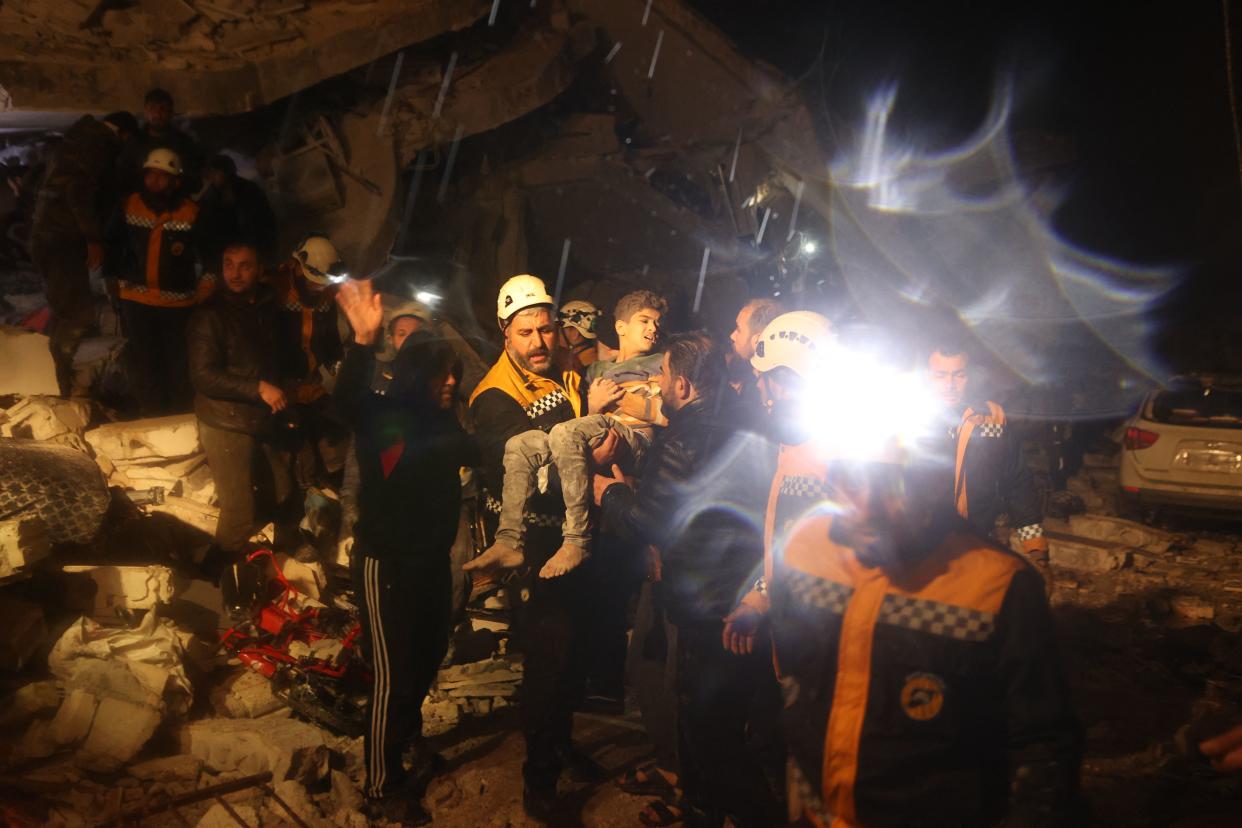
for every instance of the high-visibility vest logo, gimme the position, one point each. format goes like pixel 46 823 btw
pixel 922 697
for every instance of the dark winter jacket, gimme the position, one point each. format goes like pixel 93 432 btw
pixel 232 345
pixel 929 696
pixel 409 454
pixel 699 500
pixel 74 199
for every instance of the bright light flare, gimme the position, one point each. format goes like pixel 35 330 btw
pixel 426 297
pixel 809 247
pixel 338 278
pixel 858 407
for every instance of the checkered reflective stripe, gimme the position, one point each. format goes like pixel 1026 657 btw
pixel 295 305
pixel 1033 530
pixel 816 592
pixel 134 287
pixel 936 618
pixel 139 221
pixel 545 404
pixel 179 226
pixel 529 518
pixel 805 488
pixel 812 805
pixel 990 430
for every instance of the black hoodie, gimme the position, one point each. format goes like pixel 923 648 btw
pixel 409 453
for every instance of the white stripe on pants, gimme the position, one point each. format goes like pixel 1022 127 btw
pixel 377 770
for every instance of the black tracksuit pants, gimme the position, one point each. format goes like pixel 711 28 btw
pixel 159 362
pixel 717 694
pixel 406 607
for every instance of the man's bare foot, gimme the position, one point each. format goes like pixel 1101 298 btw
pixel 496 556
pixel 566 559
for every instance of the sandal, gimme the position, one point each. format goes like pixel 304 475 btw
pixel 659 813
pixel 646 781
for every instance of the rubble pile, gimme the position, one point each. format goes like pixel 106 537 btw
pixel 158 452
pixel 466 690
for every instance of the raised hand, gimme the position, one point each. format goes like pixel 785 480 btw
pixel 364 308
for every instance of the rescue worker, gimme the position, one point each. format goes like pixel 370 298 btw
pixel 990 476
pixel 526 389
pixel 159 132
pixel 578 337
pixel 309 341
pixel 410 449
pixel 232 207
pixel 67 233
pixel 158 283
pixel 231 340
pixel 699 500
pixel 917 660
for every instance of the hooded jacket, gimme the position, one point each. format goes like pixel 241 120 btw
pixel 75 194
pixel 410 453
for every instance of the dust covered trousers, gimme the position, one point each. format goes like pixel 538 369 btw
pixel 409 460
pixel 552 626
pixel 933 699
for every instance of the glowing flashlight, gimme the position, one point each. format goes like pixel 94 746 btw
pixel 338 278
pixel 809 247
pixel 426 297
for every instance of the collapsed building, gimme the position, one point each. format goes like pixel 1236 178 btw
pixel 444 145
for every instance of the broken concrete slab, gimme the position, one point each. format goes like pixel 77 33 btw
pixel 119 731
pixel 296 798
pixel 218 816
pixel 288 748
pixel 22 632
pixel 1086 556
pixel 307 578
pixel 1121 532
pixel 27 360
pixel 123 589
pixel 179 768
pixel 245 695
pixel 38 698
pixel 164 438
pixel 23 542
pixel 74 718
pixel 47 418
pixel 143 665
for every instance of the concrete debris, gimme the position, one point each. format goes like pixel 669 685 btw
pixel 198 515
pixel 122 589
pixel 218 816
pixel 470 690
pixel 307 578
pixel 1121 532
pixel 157 438
pixel 119 731
pixel 47 419
pixel 143 665
pixel 178 768
pixel 28 367
pixel 245 695
pixel 22 631
pixel 39 698
pixel 73 720
pixel 290 749
pixel 293 794
pixel 23 542
pixel 1090 557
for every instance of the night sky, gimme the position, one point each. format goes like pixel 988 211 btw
pixel 1139 91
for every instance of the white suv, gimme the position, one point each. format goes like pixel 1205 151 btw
pixel 1183 449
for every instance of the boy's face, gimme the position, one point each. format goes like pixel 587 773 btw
pixel 639 334
pixel 949 376
pixel 402 327
pixel 158 182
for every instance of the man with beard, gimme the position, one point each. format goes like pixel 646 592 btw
pixel 751 320
pixel 918 660
pixel 525 389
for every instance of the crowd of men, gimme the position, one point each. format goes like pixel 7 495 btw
pixel 826 631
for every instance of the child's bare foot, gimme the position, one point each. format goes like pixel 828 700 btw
pixel 566 559
pixel 496 556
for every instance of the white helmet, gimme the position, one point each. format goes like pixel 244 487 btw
pixel 797 341
pixel 412 308
pixel 519 293
pixel 580 315
pixel 162 158
pixel 321 263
